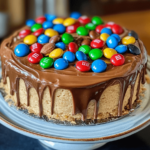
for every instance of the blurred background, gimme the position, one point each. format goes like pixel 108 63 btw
pixel 133 14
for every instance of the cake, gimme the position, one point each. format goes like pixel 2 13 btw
pixel 73 69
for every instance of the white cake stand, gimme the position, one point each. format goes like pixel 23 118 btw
pixel 62 137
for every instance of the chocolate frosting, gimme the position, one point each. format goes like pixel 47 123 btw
pixel 84 86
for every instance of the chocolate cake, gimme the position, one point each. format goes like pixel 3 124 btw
pixel 103 83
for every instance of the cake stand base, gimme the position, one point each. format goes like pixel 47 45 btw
pixel 67 146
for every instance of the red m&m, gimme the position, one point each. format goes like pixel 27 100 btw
pixel 40 19
pixel 72 28
pixel 83 65
pixel 34 57
pixel 38 32
pixel 36 47
pixel 24 33
pixel 97 43
pixel 84 19
pixel 117 29
pixel 109 24
pixel 117 59
pixel 99 28
pixel 72 47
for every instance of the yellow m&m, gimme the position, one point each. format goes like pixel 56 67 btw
pixel 128 40
pixel 56 53
pixel 58 21
pixel 30 39
pixel 104 36
pixel 50 32
pixel 69 22
pixel 109 52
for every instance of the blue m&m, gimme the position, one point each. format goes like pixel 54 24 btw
pixel 69 56
pixel 121 48
pixel 106 30
pixel 47 24
pixel 50 17
pixel 81 56
pixel 60 45
pixel 59 28
pixel 75 15
pixel 111 42
pixel 43 39
pixel 61 64
pixel 30 22
pixel 98 66
pixel 117 37
pixel 21 50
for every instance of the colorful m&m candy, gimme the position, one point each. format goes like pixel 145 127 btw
pixel 75 15
pixel 134 34
pixel 46 62
pixel 134 49
pixel 50 32
pixel 35 57
pixel 50 17
pixel 40 19
pixel 30 22
pixel 95 54
pixel 42 39
pixel 47 24
pixel 117 59
pixel 109 52
pixel 56 53
pixel 30 39
pixel 106 30
pixel 104 36
pixel 72 47
pixel 117 29
pixel 121 48
pixel 111 42
pixel 97 20
pixel 84 20
pixel 61 64
pixel 35 27
pixel 36 47
pixel 97 43
pixel 90 26
pixel 83 65
pixel 38 32
pixel 69 22
pixel 98 66
pixel 69 56
pixel 85 49
pixel 67 38
pixel 21 50
pixel 24 33
pixel 81 56
pixel 99 28
pixel 58 21
pixel 72 28
pixel 128 40
pixel 59 28
pixel 61 45
pixel 82 31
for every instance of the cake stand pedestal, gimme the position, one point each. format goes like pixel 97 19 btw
pixel 63 137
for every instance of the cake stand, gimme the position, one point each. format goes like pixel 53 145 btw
pixel 85 137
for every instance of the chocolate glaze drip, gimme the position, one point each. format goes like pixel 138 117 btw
pixel 84 86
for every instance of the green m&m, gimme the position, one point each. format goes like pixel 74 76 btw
pixel 97 20
pixel 95 54
pixel 35 27
pixel 46 62
pixel 85 49
pixel 90 26
pixel 82 31
pixel 67 38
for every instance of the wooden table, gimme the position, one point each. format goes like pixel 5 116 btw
pixel 137 21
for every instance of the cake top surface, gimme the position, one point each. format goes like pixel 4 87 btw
pixel 76 51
